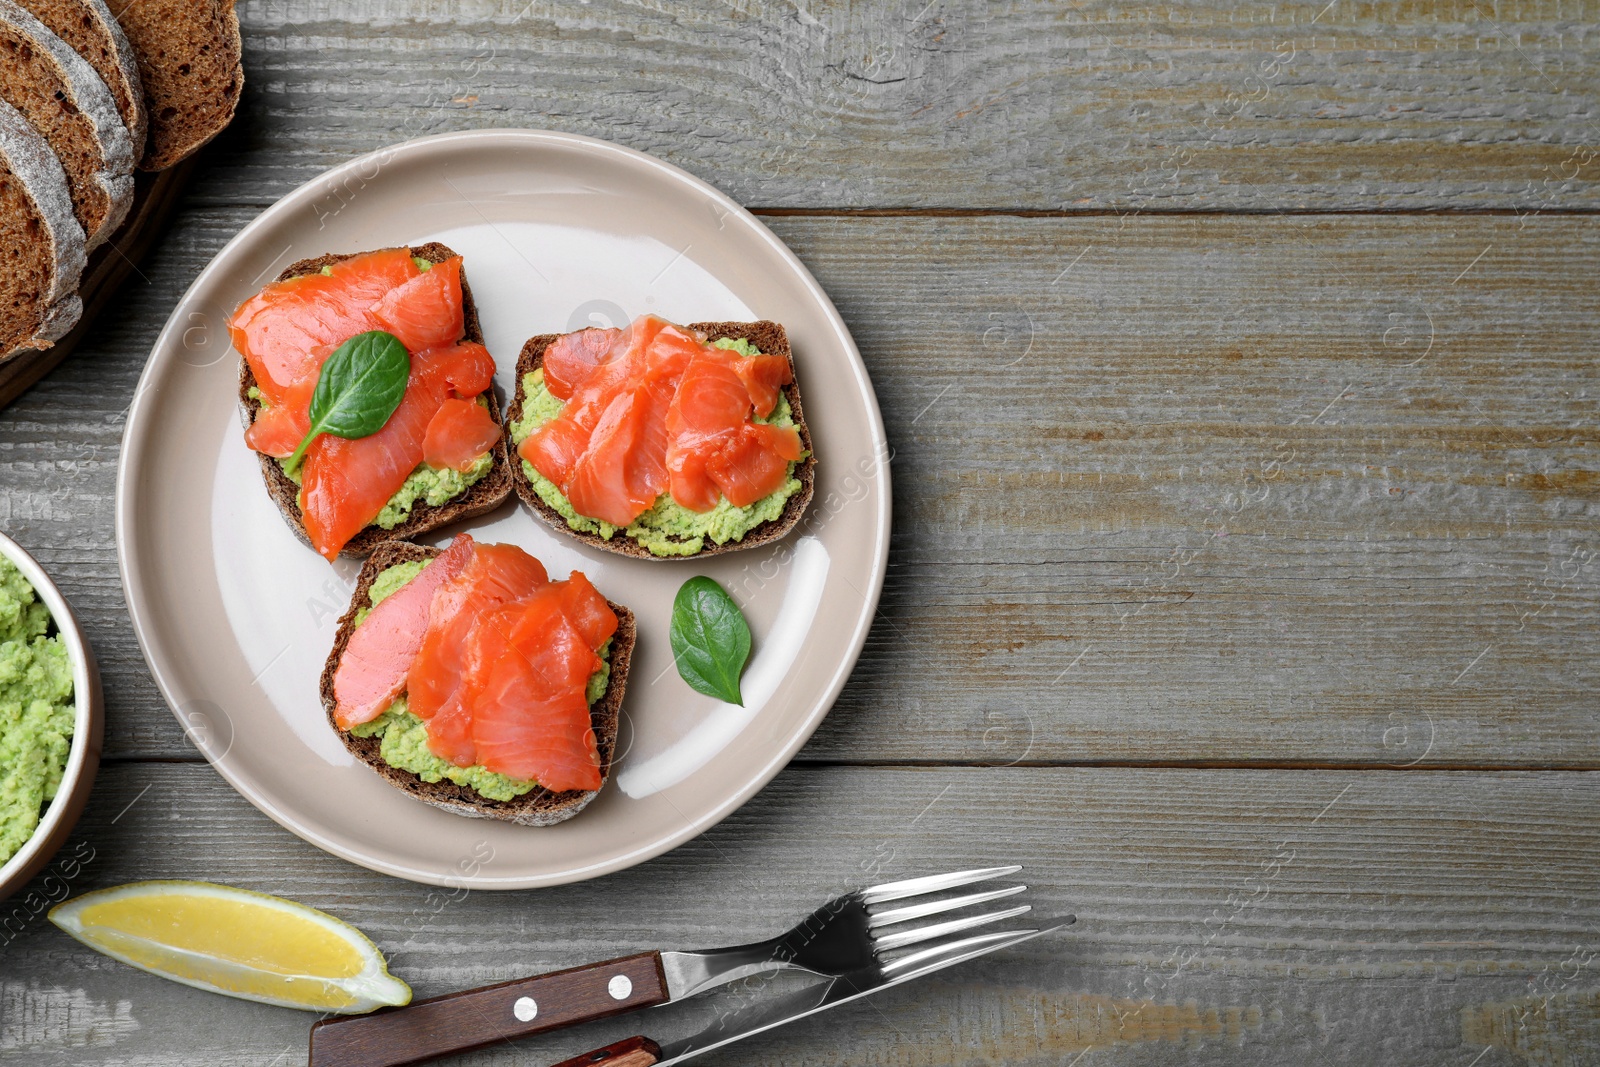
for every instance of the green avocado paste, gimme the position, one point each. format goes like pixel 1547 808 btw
pixel 36 710
pixel 404 737
pixel 667 528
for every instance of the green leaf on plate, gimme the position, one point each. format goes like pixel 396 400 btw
pixel 710 639
pixel 358 388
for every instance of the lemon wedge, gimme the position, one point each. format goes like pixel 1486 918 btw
pixel 233 941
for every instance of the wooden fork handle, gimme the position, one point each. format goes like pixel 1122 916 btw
pixel 476 1018
pixel 634 1052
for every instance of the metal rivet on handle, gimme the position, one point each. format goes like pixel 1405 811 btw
pixel 619 987
pixel 525 1009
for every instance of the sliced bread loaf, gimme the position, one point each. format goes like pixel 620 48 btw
pixel 88 26
pixel 43 241
pixel 537 808
pixel 64 99
pixel 486 494
pixel 190 64
pixel 772 339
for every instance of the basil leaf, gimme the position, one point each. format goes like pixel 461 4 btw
pixel 710 639
pixel 358 388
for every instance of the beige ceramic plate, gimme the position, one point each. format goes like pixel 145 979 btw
pixel 235 615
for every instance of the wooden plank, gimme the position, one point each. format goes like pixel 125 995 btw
pixel 1121 105
pixel 1226 917
pixel 1168 489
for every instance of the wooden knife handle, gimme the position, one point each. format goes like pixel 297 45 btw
pixel 462 1022
pixel 634 1052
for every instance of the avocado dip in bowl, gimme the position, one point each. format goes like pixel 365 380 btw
pixel 50 718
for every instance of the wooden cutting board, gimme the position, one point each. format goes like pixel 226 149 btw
pixel 156 197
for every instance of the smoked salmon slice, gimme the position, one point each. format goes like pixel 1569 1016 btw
pixel 494 657
pixel 496 575
pixel 571 357
pixel 459 432
pixel 425 311
pixel 655 409
pixel 529 716
pixel 381 651
pixel 288 330
pixel 277 329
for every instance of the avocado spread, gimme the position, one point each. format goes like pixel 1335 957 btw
pixel 404 737
pixel 667 528
pixel 36 712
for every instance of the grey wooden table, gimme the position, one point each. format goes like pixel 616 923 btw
pixel 1240 363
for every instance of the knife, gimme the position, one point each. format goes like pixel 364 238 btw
pixel 642 1051
pixel 847 934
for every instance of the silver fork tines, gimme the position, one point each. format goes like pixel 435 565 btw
pixel 886 942
pixel 933 883
pixel 922 911
pixel 906 964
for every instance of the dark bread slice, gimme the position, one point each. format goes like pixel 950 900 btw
pixel 539 807
pixel 772 340
pixel 486 494
pixel 42 240
pixel 62 97
pixel 191 68
pixel 89 27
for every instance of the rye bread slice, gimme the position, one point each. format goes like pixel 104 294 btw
pixel 772 340
pixel 62 97
pixel 89 27
pixel 190 65
pixel 43 243
pixel 486 494
pixel 539 807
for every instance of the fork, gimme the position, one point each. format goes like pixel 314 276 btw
pixel 849 934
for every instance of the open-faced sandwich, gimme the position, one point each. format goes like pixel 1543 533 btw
pixel 663 441
pixel 438 458
pixel 468 679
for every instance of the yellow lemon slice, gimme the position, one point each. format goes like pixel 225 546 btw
pixel 233 941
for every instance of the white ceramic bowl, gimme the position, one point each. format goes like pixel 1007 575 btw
pixel 61 815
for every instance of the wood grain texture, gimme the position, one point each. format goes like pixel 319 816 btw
pixel 1224 917
pixel 1210 490
pixel 1109 105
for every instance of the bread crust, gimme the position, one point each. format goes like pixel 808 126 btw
pixel 488 493
pixel 90 28
pixel 179 45
pixel 39 179
pixel 771 338
pixel 105 194
pixel 539 807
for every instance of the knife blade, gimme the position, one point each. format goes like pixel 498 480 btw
pixel 820 996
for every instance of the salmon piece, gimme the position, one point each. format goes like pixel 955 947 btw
pixel 496 575
pixel 345 484
pixel 711 405
pixel 278 429
pixel 571 358
pixel 379 656
pixel 587 610
pixel 754 463
pixel 459 432
pixel 656 409
pixel 763 377
pixel 555 448
pixel 277 329
pixel 529 716
pixel 425 311
pixel 623 469
pixel 466 366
